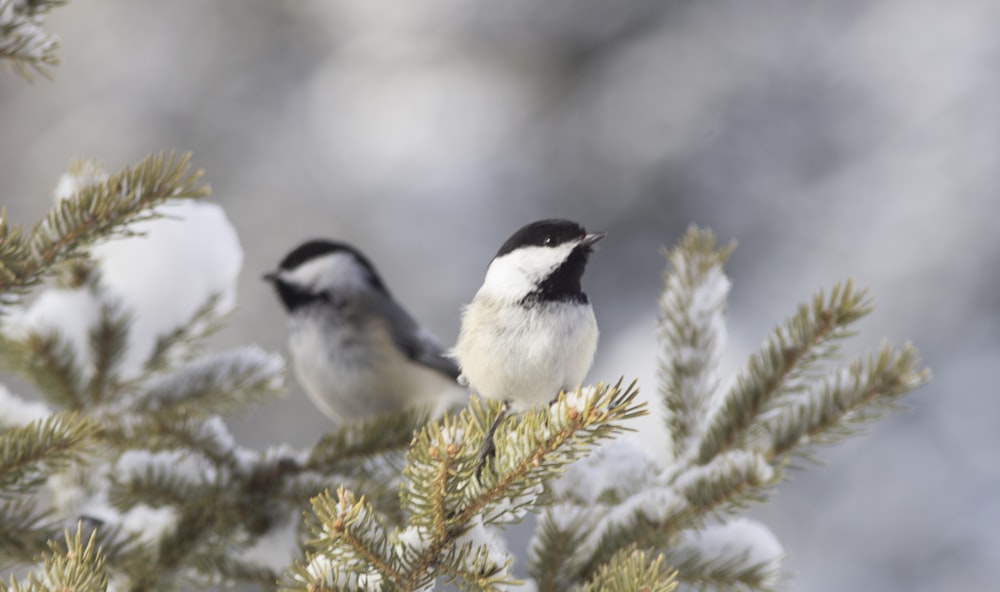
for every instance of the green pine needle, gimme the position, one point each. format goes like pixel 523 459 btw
pixel 108 345
pixel 845 401
pixel 345 449
pixel 31 453
pixel 100 211
pixel 632 570
pixel 784 365
pixel 692 306
pixel 71 566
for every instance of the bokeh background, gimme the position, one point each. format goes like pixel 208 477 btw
pixel 830 138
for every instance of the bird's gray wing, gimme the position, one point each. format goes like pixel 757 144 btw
pixel 414 341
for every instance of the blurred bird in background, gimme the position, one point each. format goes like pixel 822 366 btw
pixel 356 352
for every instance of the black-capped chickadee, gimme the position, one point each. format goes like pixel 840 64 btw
pixel 530 331
pixel 354 350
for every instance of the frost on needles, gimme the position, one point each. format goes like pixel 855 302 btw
pixel 124 476
pixel 153 489
pixel 120 473
pixel 613 517
pixel 23 44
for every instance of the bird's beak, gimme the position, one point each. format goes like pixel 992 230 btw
pixel 590 239
pixel 271 276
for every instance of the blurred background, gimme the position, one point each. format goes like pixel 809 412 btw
pixel 830 138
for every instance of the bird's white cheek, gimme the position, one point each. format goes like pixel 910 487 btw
pixel 518 273
pixel 504 280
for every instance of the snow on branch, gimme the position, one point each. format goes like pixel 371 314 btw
pixel 217 383
pixel 845 401
pixel 737 555
pixel 176 500
pixel 15 411
pixel 632 569
pixel 692 332
pixel 346 448
pixel 99 210
pixel 453 515
pixel 73 565
pixel 783 367
pixel 28 454
pixel 23 43
pixel 730 448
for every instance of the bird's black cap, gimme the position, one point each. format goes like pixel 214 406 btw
pixel 563 283
pixel 543 233
pixel 312 249
pixel 294 296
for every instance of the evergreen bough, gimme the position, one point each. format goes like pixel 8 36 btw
pixel 395 503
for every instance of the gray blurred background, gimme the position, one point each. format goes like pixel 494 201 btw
pixel 830 138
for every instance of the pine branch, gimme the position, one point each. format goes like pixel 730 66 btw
pixel 353 536
pixel 441 492
pixel 727 484
pixel 737 555
pixel 266 491
pixel 75 274
pixel 845 401
pixel 49 362
pixel 450 511
pixel 604 488
pixel 344 449
pixel 161 569
pixel 180 345
pixel 222 568
pixel 477 560
pixel 652 517
pixel 15 258
pixel 630 570
pixel 554 562
pixel 220 383
pixel 71 567
pixel 323 574
pixel 539 446
pixel 691 331
pixel 108 342
pixel 368 456
pixel 732 573
pixel 381 491
pixel 159 490
pixel 120 548
pixel 30 454
pixel 24 529
pixel 617 521
pixel 16 412
pixel 23 43
pixel 218 509
pixel 783 366
pixel 103 210
pixel 210 438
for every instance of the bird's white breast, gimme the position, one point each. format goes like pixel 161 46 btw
pixel 526 354
pixel 353 373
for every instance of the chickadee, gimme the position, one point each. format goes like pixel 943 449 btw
pixel 355 351
pixel 530 331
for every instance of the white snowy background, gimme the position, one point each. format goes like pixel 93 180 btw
pixel 831 138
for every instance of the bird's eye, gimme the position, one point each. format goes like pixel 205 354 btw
pixel 549 241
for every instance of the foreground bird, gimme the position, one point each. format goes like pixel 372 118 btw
pixel 530 331
pixel 355 351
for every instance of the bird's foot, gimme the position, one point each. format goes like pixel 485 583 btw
pixel 488 449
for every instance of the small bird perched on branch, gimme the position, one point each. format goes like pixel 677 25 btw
pixel 356 352
pixel 530 331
